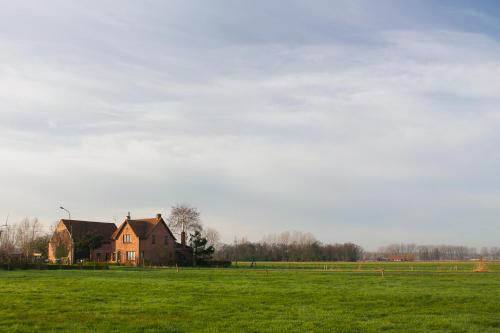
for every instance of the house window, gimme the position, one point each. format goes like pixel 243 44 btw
pixel 142 254
pixel 130 255
pixel 153 239
pixel 127 239
pixel 165 240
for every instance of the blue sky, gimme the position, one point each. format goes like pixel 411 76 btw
pixel 364 121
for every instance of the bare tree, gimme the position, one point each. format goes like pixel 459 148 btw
pixel 495 253
pixel 485 252
pixel 212 237
pixel 41 244
pixel 184 218
pixel 27 232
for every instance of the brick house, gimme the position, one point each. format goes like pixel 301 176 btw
pixel 147 241
pixel 136 241
pixel 69 232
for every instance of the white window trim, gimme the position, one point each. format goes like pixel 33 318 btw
pixel 130 255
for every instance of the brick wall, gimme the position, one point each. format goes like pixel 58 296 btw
pixel 121 248
pixel 104 253
pixel 158 253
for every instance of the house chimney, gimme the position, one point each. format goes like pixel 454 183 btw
pixel 158 216
pixel 128 216
pixel 183 238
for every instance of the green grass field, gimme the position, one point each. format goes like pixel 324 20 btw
pixel 274 297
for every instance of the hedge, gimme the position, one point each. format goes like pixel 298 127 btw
pixel 10 267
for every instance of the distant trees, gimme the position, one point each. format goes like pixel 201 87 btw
pixel 342 252
pixel 433 252
pixel 494 253
pixel 288 246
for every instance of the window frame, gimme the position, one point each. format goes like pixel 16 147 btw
pixel 130 255
pixel 127 239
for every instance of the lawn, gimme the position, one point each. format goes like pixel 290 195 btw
pixel 342 298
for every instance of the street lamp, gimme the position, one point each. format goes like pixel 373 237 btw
pixel 72 254
pixel 69 213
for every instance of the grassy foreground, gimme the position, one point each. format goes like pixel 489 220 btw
pixel 251 300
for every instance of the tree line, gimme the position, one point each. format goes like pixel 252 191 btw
pixel 433 252
pixel 288 246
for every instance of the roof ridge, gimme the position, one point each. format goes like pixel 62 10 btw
pixel 86 221
pixel 146 219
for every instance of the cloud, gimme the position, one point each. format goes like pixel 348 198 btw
pixel 265 127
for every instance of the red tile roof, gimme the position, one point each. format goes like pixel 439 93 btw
pixel 141 227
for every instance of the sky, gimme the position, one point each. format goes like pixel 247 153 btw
pixel 372 122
